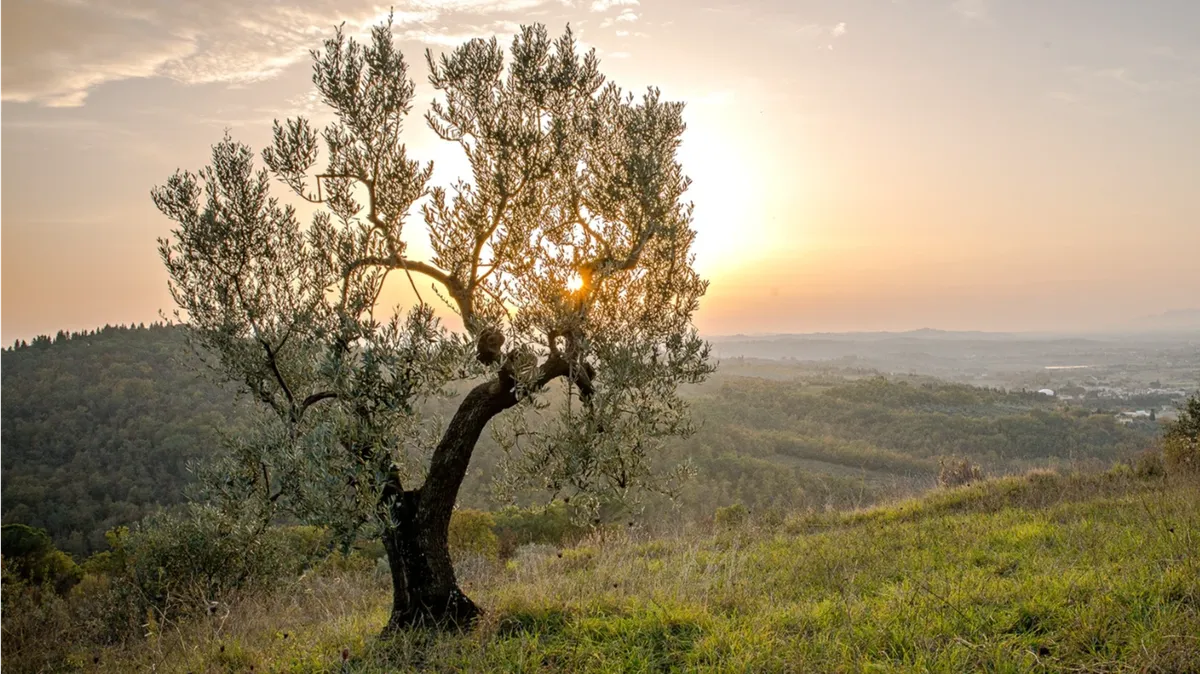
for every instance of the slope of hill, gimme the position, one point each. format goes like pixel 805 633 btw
pixel 97 430
pixel 1038 573
pixel 835 440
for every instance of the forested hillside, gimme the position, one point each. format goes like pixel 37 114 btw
pixel 833 441
pixel 98 429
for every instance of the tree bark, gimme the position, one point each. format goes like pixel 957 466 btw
pixel 417 601
pixel 425 591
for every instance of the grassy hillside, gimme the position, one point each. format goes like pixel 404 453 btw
pixel 1097 573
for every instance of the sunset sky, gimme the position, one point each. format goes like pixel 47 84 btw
pixel 857 164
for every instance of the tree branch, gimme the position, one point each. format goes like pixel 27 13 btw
pixel 316 398
pixel 480 241
pixel 274 365
pixel 587 228
pixel 634 256
pixel 396 261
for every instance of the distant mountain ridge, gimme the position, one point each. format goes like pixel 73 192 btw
pixel 921 333
pixel 1177 319
pixel 1170 321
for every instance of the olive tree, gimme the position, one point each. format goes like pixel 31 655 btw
pixel 565 255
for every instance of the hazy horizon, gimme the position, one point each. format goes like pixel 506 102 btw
pixel 858 165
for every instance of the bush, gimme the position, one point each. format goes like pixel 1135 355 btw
pixel 1181 441
pixel 305 544
pixel 167 566
pixel 549 525
pixel 1180 456
pixel 471 534
pixel 957 472
pixel 1149 463
pixel 43 628
pixel 30 556
pixel 731 517
pixel 577 559
pixel 184 560
pixel 105 609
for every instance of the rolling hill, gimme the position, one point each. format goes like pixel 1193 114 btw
pixel 98 429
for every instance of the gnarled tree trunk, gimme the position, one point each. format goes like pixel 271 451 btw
pixel 425 591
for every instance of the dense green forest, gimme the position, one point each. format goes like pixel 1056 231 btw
pixel 98 429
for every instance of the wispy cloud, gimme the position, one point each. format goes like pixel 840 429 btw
pixel 626 16
pixel 1185 85
pixel 605 5
pixel 56 51
pixel 970 9
pixel 1126 79
pixel 452 36
pixel 817 31
pixel 1122 90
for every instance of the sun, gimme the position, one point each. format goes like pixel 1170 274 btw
pixel 575 283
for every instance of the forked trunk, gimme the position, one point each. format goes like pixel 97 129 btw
pixel 425 591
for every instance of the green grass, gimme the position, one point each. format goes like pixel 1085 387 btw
pixel 1042 573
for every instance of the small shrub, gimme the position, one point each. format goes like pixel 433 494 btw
pixel 731 517
pixel 471 534
pixel 199 554
pixel 575 559
pixel 104 609
pixel 1181 457
pixel 305 544
pixel 552 524
pixel 1149 464
pixel 1181 441
pixel 957 472
pixel 770 519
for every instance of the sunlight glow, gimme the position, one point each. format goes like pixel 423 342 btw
pixel 729 193
pixel 575 283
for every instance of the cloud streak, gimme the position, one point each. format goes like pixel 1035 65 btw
pixel 605 5
pixel 970 9
pixel 55 52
